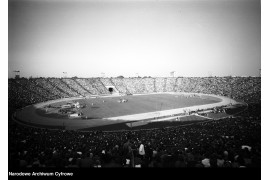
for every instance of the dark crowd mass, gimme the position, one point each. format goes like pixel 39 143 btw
pixel 232 142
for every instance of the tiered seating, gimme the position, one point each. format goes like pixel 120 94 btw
pixel 120 85
pixel 106 81
pixel 19 96
pixel 149 85
pixel 59 84
pixel 136 85
pixel 242 88
pixel 79 89
pixel 42 82
pixel 247 89
pixel 202 86
pixel 139 87
pixel 170 83
pixel 87 84
pixel 129 82
pixel 160 84
pixel 96 83
pixel 29 86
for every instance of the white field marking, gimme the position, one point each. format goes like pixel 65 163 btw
pixel 142 116
pixel 203 116
pixel 174 118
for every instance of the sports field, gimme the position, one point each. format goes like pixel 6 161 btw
pixel 110 107
pixel 103 111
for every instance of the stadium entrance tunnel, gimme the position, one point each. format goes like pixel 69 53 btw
pixel 111 89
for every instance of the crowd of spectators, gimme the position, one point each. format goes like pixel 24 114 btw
pixel 107 81
pixel 76 86
pixel 120 85
pixel 19 97
pixel 99 85
pixel 231 142
pixel 42 82
pixel 71 85
pixel 148 84
pixel 58 83
pixel 87 85
pixel 30 85
pixel 135 85
pixel 247 89
pixel 170 84
pixel 160 84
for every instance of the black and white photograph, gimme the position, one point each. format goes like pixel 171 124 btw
pixel 135 84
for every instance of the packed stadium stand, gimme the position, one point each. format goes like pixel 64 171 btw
pixel 230 142
pixel 119 84
pixel 87 86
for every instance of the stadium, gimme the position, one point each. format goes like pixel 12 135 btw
pixel 118 106
pixel 152 106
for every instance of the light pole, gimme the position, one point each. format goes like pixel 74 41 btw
pixel 17 74
pixel 172 73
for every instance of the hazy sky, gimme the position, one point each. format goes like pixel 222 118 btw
pixel 151 38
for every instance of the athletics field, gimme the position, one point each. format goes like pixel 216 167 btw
pixel 103 111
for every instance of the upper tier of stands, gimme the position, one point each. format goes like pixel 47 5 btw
pixel 28 91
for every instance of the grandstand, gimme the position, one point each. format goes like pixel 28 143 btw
pixel 54 88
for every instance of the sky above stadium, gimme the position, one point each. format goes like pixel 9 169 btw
pixel 131 38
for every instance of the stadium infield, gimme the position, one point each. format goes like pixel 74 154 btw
pixel 106 110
